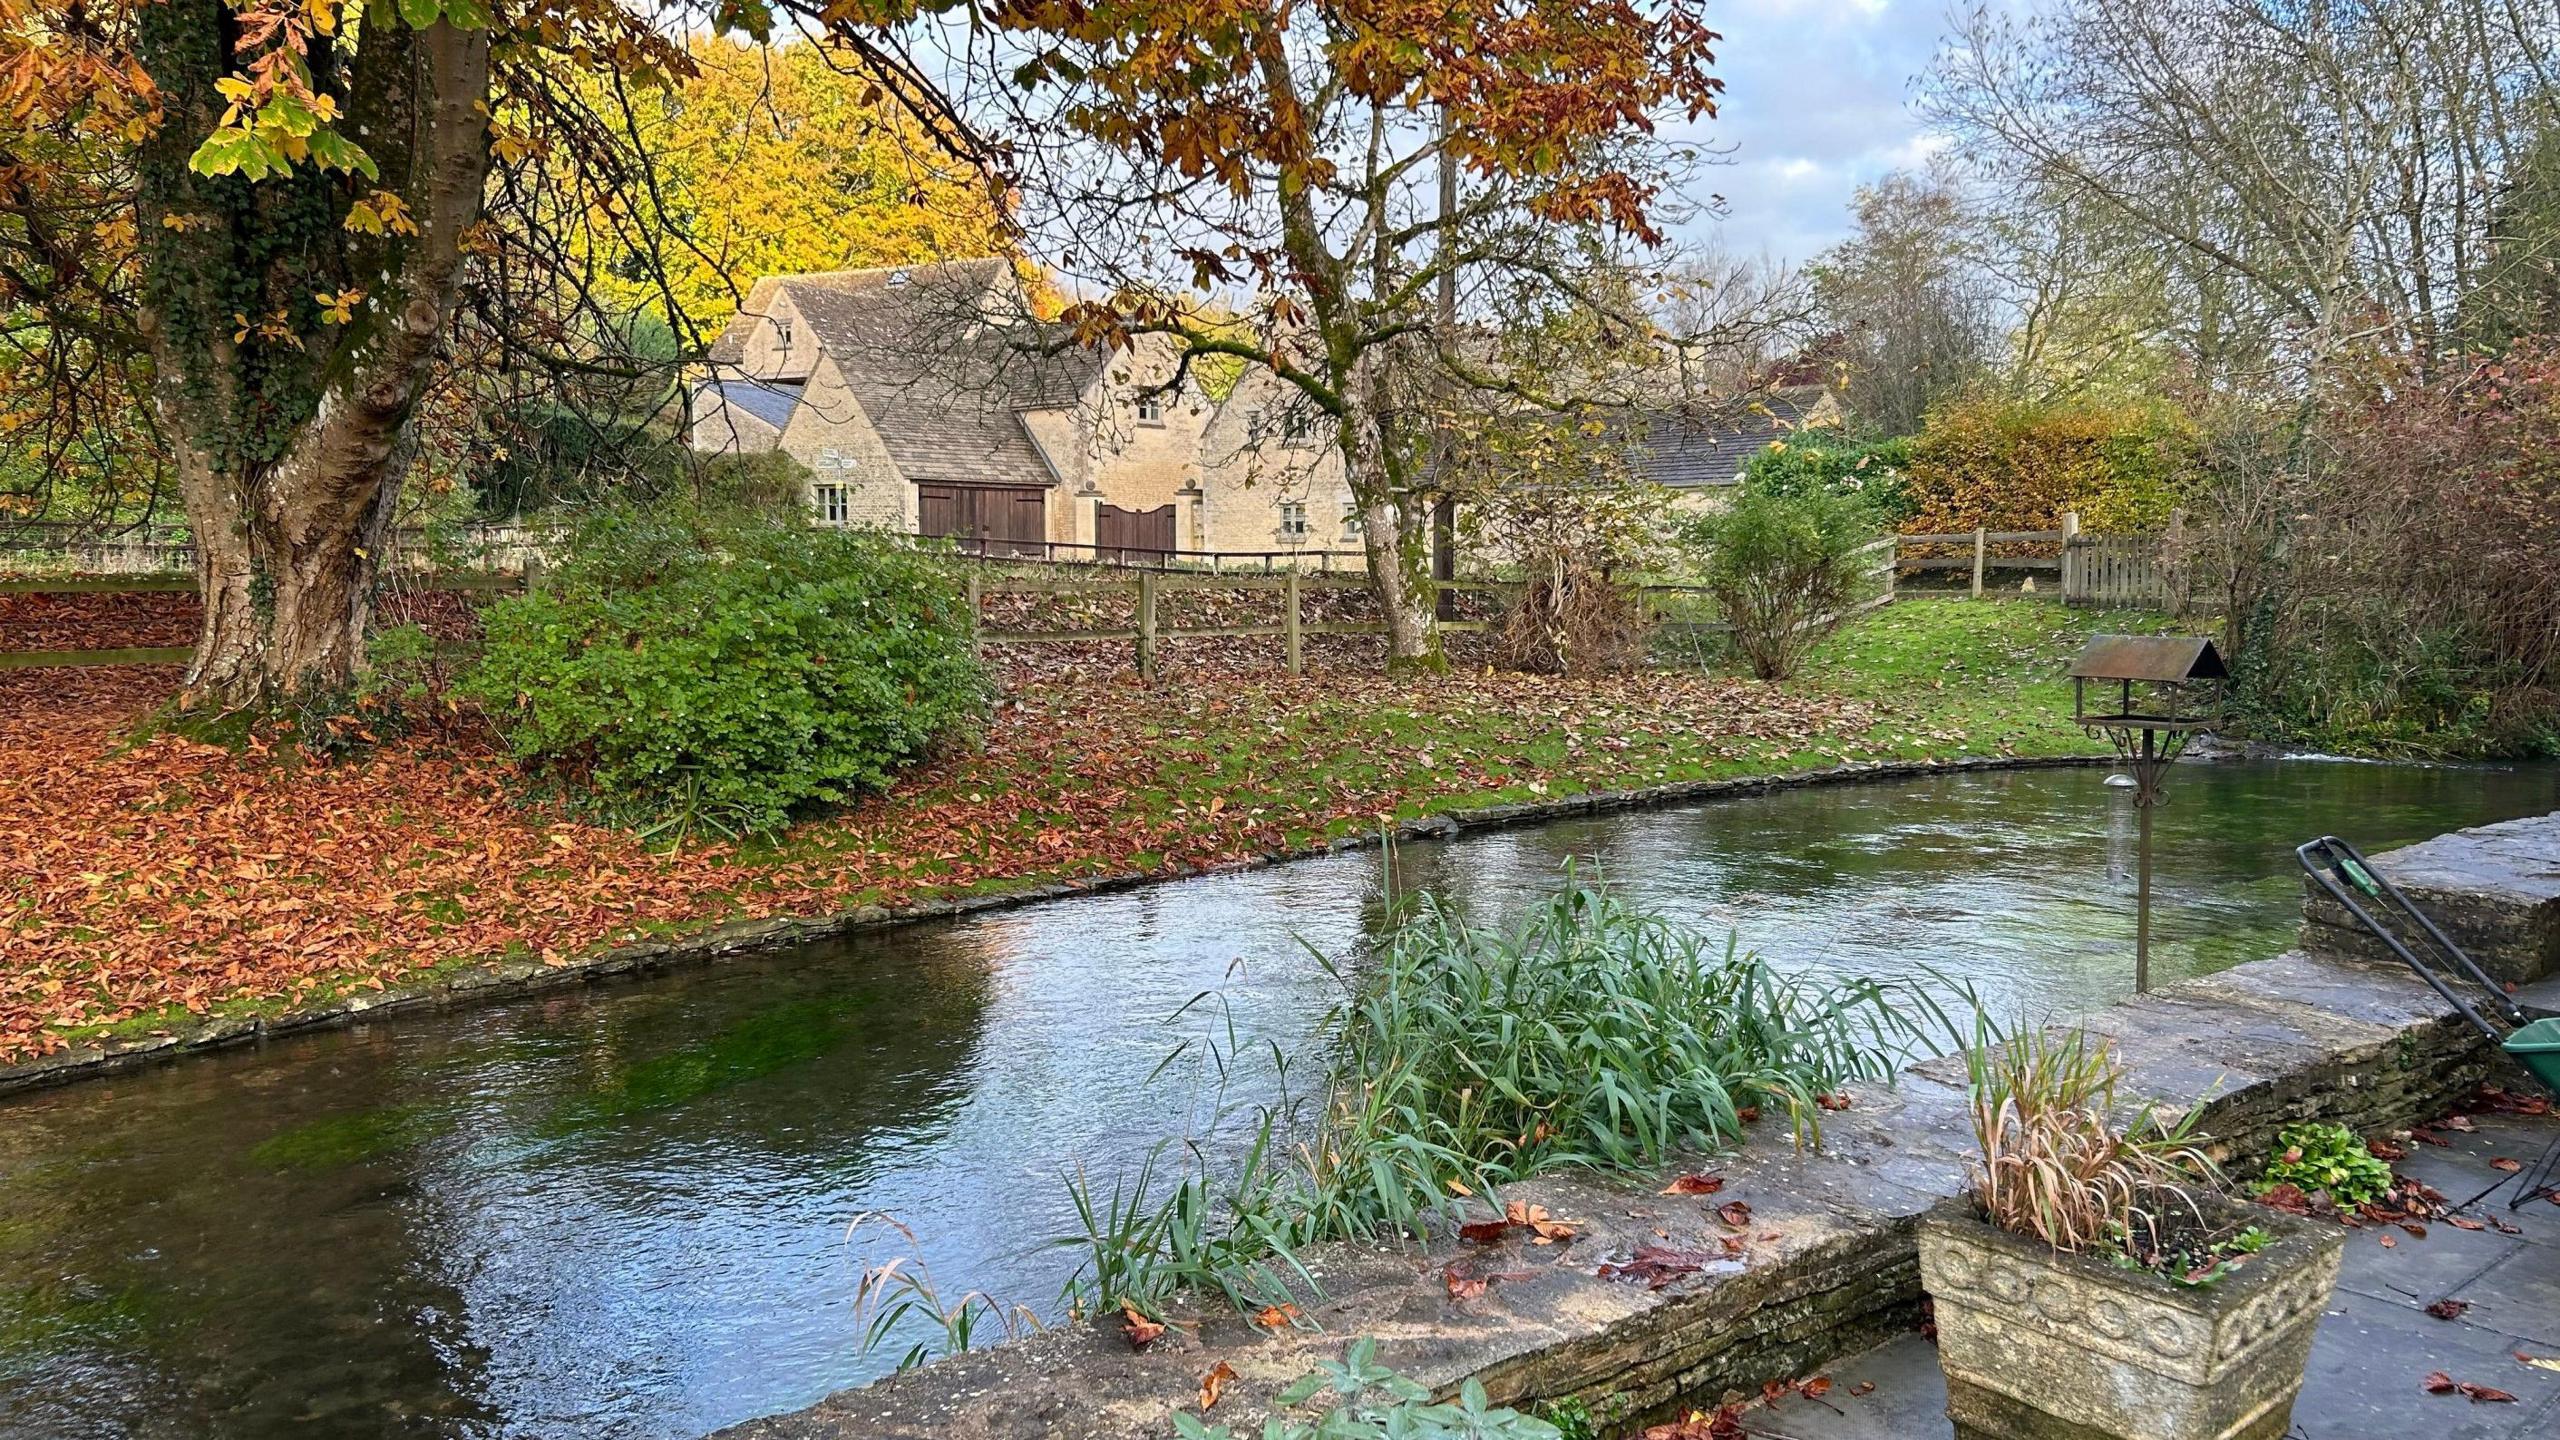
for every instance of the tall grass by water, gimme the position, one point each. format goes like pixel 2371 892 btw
pixel 1593 1036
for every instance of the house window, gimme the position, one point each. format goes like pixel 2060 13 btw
pixel 1293 519
pixel 1295 425
pixel 833 501
pixel 1151 409
pixel 1350 518
pixel 782 331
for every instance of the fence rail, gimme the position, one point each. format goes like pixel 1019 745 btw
pixel 2117 570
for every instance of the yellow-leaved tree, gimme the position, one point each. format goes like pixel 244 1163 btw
pixel 781 159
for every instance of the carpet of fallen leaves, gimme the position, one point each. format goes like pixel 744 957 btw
pixel 98 622
pixel 140 880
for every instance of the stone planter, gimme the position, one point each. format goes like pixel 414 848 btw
pixel 2040 1346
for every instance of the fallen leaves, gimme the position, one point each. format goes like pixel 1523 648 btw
pixel 1736 1213
pixel 1543 1228
pixel 2448 1308
pixel 1276 1317
pixel 1658 1265
pixel 1694 1185
pixel 2439 1383
pixel 172 877
pixel 1142 1332
pixel 1213 1386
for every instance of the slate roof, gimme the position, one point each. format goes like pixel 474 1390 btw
pixel 768 401
pixel 1691 448
pixel 943 387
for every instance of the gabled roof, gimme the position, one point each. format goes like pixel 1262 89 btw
pixel 1692 447
pixel 942 383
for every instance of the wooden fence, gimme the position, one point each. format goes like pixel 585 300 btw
pixel 2132 571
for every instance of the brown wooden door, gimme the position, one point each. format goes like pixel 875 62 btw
pixel 988 519
pixel 1133 534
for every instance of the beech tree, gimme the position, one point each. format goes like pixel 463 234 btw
pixel 1377 186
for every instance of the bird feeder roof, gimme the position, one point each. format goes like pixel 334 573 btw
pixel 2163 659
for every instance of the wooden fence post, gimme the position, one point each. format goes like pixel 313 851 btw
pixel 1297 660
pixel 2074 581
pixel 1978 552
pixel 977 613
pixel 1146 625
pixel 532 574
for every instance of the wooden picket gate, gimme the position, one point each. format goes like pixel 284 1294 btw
pixel 2129 571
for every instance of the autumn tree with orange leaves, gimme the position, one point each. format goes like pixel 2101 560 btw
pixel 1390 185
pixel 261 214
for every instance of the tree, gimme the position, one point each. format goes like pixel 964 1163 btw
pixel 1909 295
pixel 782 160
pixel 270 215
pixel 1390 180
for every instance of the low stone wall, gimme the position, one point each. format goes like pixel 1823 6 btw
pixel 2495 890
pixel 1826 1265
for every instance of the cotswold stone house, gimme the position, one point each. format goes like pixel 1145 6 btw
pixel 926 400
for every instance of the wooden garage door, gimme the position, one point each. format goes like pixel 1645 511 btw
pixel 988 519
pixel 1133 534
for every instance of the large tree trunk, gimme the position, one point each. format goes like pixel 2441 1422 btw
pixel 292 433
pixel 1396 538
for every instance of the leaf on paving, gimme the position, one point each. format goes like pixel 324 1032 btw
pixel 1736 1213
pixel 2503 1163
pixel 1838 1101
pixel 2540 1362
pixel 1694 1185
pixel 2461 1123
pixel 1484 1232
pixel 2448 1308
pixel 2464 1222
pixel 1815 1388
pixel 2385 1151
pixel 1863 1387
pixel 2439 1383
pixel 2390 1242
pixel 1658 1265
pixel 1213 1386
pixel 1464 1284
pixel 1276 1317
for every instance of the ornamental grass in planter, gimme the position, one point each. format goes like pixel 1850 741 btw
pixel 2095 1285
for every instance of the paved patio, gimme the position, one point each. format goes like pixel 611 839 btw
pixel 2374 1349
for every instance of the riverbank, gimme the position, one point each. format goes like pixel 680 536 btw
pixel 174 895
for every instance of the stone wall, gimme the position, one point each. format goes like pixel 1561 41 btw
pixel 2495 890
pixel 1826 1265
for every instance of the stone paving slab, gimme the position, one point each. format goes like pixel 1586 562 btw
pixel 2375 1345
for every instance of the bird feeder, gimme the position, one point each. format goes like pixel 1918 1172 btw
pixel 2148 695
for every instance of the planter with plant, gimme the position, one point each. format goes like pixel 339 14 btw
pixel 2094 1285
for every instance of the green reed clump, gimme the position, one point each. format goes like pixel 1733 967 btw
pixel 1593 1036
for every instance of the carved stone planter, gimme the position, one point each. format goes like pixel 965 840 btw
pixel 2040 1346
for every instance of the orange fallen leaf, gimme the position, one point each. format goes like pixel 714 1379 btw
pixel 1694 1185
pixel 1213 1386
pixel 1142 1332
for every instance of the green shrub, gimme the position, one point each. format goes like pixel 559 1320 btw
pixel 1783 567
pixel 1824 460
pixel 729 671
pixel 2001 466
pixel 2326 1159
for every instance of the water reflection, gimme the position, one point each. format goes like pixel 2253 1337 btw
pixel 621 1211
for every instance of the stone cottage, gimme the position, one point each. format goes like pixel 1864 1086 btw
pixel 926 400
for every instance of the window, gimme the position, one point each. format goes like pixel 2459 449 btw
pixel 833 501
pixel 1151 409
pixel 782 331
pixel 1350 518
pixel 1293 519
pixel 1295 425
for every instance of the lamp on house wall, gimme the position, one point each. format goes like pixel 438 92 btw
pixel 2152 694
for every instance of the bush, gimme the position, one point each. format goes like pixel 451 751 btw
pixel 1782 568
pixel 2329 1160
pixel 1821 460
pixel 726 670
pixel 2000 466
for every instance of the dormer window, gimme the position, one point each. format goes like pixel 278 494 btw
pixel 782 332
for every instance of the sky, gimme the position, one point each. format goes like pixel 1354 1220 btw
pixel 1817 102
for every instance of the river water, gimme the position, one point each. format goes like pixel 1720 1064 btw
pixel 622 1211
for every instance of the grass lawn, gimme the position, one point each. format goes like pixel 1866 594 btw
pixel 140 886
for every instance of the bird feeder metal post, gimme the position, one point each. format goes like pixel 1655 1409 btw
pixel 2167 688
